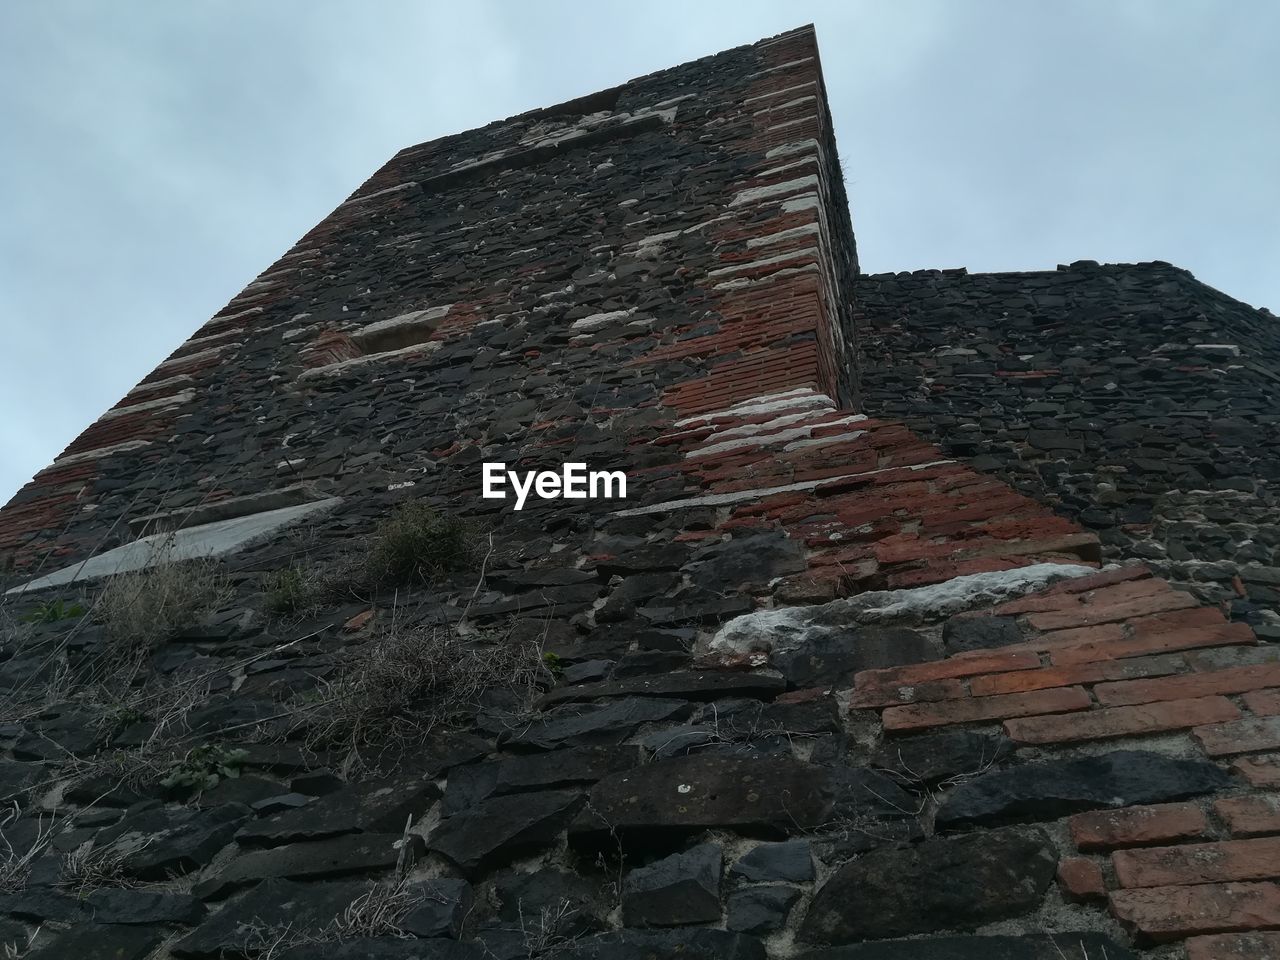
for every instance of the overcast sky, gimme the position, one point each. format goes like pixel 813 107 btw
pixel 156 155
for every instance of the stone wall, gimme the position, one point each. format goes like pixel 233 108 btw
pixel 818 687
pixel 1132 398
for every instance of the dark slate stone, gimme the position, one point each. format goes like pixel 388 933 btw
pixel 115 905
pixel 755 559
pixel 790 861
pixel 93 941
pixel 1047 791
pixel 502 828
pixel 705 792
pixel 12 934
pixel 247 790
pixel 979 633
pixel 829 658
pixel 159 841
pixel 389 948
pixel 687 684
pixel 761 910
pixel 1059 946
pixel 669 742
pixel 310 859
pixel 932 757
pixel 274 905
pixel 650 661
pixel 374 807
pixel 469 785
pixel 953 883
pixel 43 903
pixel 17 778
pixel 690 944
pixel 444 905
pixel 573 726
pixel 862 793
pixel 646 559
pixel 578 903
pixel 681 889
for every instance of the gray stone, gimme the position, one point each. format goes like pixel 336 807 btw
pixel 1047 791
pixel 92 941
pixel 932 757
pixel 206 540
pixel 389 948
pixel 589 725
pixel 558 768
pixel 1059 946
pixel 156 842
pixel 680 889
pixel 115 905
pixel 576 903
pixel 790 861
pixel 829 658
pixel 272 906
pixel 706 792
pixel 688 944
pixel 952 883
pixel 686 684
pixel 310 859
pixel 502 828
pixel 980 633
pixel 443 905
pixel 373 807
pixel 761 910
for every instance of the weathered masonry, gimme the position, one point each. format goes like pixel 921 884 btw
pixel 939 620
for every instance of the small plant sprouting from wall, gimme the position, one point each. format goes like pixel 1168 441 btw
pixel 296 591
pixel 141 609
pixel 409 680
pixel 418 543
pixel 52 611
pixel 204 767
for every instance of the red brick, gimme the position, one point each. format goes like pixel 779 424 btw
pixel 1090 614
pixel 1062 595
pixel 974 709
pixel 1163 914
pixel 1232 680
pixel 1229 860
pixel 1137 826
pixel 1024 680
pixel 1250 816
pixel 1235 946
pixel 1265 703
pixel 870 684
pixel 1220 635
pixel 869 697
pixel 1058 639
pixel 1123 721
pixel 1081 879
pixel 1243 736
pixel 1259 771
pixel 1103 578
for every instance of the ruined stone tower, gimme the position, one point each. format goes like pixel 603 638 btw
pixel 938 618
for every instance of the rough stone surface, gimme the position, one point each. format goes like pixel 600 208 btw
pixel 677 890
pixel 1046 791
pixel 944 884
pixel 1060 946
pixel 790 861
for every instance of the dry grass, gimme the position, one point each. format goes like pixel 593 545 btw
pixel 417 544
pixel 15 862
pixel 143 608
pixel 86 868
pixel 409 680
